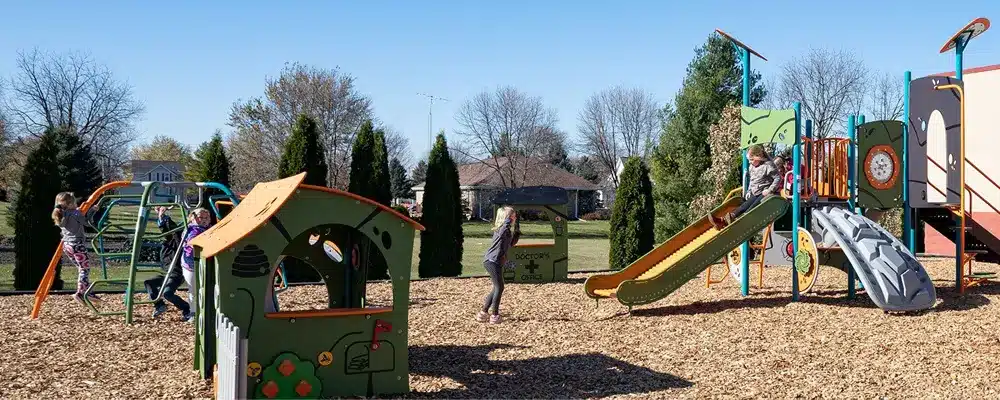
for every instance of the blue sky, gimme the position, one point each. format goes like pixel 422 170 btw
pixel 188 61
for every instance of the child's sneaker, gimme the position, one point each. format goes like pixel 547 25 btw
pixel 728 218
pixel 715 222
pixel 160 309
pixel 79 298
pixel 188 317
pixel 94 299
pixel 495 319
pixel 482 317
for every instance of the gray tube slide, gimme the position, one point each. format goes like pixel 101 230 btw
pixel 892 276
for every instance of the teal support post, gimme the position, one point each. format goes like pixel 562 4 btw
pixel 908 213
pixel 745 247
pixel 796 197
pixel 852 161
pixel 852 139
pixel 851 184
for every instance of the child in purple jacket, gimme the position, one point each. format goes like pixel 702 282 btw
pixel 199 220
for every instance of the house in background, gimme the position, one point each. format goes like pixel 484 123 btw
pixel 480 182
pixel 606 193
pixel 162 171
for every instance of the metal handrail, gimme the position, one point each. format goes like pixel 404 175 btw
pixel 967 187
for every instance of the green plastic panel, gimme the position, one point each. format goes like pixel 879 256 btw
pixel 878 138
pixel 537 262
pixel 766 126
pixel 369 349
pixel 637 292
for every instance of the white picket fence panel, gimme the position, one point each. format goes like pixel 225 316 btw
pixel 232 353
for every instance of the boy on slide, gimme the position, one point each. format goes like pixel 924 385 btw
pixel 764 181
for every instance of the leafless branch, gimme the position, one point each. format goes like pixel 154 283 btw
pixel 261 125
pixel 886 97
pixel 71 89
pixel 618 122
pixel 506 130
pixel 829 84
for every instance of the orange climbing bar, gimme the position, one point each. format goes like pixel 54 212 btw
pixel 50 274
pixel 828 167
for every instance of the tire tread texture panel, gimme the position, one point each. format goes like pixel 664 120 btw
pixel 891 274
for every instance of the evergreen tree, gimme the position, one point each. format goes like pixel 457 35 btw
pixel 441 241
pixel 304 153
pixel 632 216
pixel 402 188
pixel 714 79
pixel 210 165
pixel 35 237
pixel 557 156
pixel 419 172
pixel 77 165
pixel 362 162
pixel 381 181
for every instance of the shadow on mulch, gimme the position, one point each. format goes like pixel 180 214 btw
pixel 570 376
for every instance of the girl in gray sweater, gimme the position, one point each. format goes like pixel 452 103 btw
pixel 765 180
pixel 505 235
pixel 71 223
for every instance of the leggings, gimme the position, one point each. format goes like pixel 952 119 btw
pixel 78 253
pixel 493 298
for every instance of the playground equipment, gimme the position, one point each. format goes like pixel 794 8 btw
pixel 349 349
pixel 942 192
pixel 835 232
pixel 539 262
pixel 135 235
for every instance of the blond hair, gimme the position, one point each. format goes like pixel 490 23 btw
pixel 503 214
pixel 757 151
pixel 62 200
pixel 194 213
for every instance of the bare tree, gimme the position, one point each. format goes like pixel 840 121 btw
pixel 618 122
pixel 72 89
pixel 506 130
pixel 885 97
pixel 830 84
pixel 398 146
pixel 261 125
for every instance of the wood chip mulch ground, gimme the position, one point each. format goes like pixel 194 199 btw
pixel 554 343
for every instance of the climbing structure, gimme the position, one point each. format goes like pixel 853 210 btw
pixel 141 253
pixel 355 346
pixel 539 262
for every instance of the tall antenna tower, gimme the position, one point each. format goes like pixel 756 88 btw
pixel 430 118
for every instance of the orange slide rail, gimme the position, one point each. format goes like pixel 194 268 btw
pixel 50 274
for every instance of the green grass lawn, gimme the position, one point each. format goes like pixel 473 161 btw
pixel 584 254
pixel 588 246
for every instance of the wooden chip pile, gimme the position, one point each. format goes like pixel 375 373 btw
pixel 554 343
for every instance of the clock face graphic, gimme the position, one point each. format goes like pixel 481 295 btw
pixel 881 167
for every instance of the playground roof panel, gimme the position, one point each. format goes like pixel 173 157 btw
pixel 532 196
pixel 263 201
pixel 967 33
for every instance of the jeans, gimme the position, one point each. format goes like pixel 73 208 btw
pixel 169 292
pixel 747 204
pixel 192 288
pixel 493 298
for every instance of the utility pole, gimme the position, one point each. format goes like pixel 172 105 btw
pixel 430 118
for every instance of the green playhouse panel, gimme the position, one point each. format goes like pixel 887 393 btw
pixel 539 262
pixel 357 346
pixel 760 126
pixel 880 163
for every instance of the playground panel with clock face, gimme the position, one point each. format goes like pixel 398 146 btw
pixel 880 149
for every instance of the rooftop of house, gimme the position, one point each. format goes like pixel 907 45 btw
pixel 146 165
pixel 533 172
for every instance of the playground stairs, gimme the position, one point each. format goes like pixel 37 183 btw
pixel 979 241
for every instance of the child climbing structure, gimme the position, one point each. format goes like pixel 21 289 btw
pixel 539 262
pixel 350 348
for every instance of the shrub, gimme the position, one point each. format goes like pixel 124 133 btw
pixel 632 217
pixel 441 241
pixel 35 237
pixel 402 210
pixel 603 214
